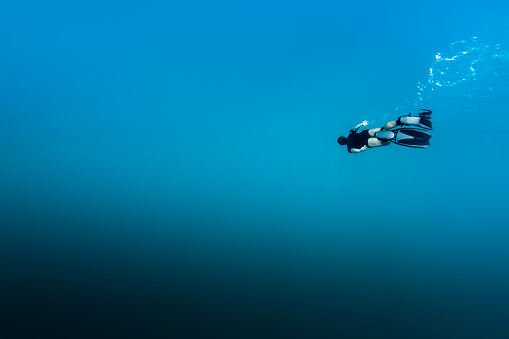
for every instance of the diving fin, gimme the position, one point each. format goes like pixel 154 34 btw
pixel 426 113
pixel 409 137
pixel 385 135
pixel 412 137
pixel 422 121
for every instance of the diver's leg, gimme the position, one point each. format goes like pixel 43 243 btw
pixel 420 121
pixel 374 142
pixel 372 132
pixel 389 125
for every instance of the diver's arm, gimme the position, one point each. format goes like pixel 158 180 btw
pixel 364 123
pixel 358 150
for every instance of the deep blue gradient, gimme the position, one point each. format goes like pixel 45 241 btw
pixel 171 170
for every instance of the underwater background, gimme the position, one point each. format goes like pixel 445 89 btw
pixel 171 170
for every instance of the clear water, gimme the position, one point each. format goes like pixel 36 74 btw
pixel 171 170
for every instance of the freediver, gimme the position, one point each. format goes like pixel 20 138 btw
pixel 405 131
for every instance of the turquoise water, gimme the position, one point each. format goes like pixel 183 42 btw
pixel 172 170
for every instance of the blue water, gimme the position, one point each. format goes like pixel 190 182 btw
pixel 171 170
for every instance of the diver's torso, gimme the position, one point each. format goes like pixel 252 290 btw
pixel 357 140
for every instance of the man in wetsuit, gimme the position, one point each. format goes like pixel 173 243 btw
pixel 359 142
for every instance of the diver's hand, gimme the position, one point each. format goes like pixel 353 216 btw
pixel 358 150
pixel 364 123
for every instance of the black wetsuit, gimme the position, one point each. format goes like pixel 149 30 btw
pixel 357 140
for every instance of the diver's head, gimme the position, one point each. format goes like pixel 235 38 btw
pixel 342 140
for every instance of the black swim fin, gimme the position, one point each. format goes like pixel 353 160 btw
pixel 416 122
pixel 409 137
pixel 426 113
pixel 422 121
pixel 412 137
